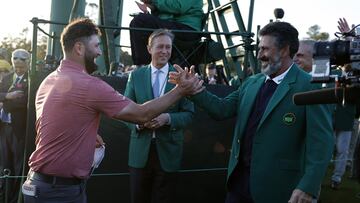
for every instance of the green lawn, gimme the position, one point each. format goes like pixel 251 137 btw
pixel 348 192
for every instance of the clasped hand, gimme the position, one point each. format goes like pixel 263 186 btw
pixel 186 80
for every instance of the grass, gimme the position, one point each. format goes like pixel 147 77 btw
pixel 348 192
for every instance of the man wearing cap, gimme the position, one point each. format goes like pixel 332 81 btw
pixel 13 95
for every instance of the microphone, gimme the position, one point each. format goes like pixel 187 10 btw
pixel 328 96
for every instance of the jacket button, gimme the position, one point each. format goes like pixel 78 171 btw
pixel 238 141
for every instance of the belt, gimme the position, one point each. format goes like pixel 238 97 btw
pixel 55 180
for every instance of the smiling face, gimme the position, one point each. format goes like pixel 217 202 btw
pixel 160 50
pixel 269 55
pixel 92 51
pixel 303 57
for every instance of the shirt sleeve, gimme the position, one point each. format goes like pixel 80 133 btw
pixel 105 99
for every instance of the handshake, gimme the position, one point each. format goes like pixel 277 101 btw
pixel 186 80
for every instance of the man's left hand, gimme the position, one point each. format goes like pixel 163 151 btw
pixel 99 141
pixel 187 80
pixel 157 122
pixel 299 196
pixel 143 7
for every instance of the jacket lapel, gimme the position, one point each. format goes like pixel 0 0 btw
pixel 248 102
pixel 280 93
pixel 169 86
pixel 146 85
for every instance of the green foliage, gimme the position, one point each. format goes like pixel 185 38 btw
pixel 125 58
pixel 21 42
pixel 315 34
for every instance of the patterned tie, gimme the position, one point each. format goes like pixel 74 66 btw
pixel 156 86
pixel 17 80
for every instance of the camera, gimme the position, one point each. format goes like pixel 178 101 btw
pixel 326 57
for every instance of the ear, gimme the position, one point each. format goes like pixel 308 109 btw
pixel 149 49
pixel 285 51
pixel 79 48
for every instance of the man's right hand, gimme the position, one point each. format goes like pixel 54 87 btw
pixel 14 95
pixel 343 25
pixel 142 6
pixel 186 80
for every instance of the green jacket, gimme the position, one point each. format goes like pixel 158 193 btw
pixel 188 12
pixel 292 145
pixel 169 139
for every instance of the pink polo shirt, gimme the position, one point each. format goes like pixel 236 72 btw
pixel 68 106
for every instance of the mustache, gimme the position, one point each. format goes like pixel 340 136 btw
pixel 264 59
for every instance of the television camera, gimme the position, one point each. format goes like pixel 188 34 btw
pixel 327 56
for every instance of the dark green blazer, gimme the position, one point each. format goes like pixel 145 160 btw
pixel 292 145
pixel 169 139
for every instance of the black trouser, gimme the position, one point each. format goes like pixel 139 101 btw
pixel 11 155
pixel 139 39
pixel 239 186
pixel 151 184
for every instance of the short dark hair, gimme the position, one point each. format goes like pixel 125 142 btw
pixel 211 66
pixel 284 33
pixel 158 33
pixel 78 30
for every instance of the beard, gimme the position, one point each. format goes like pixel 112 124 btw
pixel 272 66
pixel 90 64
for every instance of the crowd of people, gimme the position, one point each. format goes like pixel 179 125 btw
pixel 295 144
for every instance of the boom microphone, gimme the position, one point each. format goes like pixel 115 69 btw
pixel 328 96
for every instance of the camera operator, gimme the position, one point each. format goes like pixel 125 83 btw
pixel 343 115
pixel 343 125
pixel 304 55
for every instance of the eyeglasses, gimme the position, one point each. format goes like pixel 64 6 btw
pixel 18 58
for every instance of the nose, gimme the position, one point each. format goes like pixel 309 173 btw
pixel 99 52
pixel 260 54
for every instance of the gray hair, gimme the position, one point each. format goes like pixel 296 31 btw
pixel 308 42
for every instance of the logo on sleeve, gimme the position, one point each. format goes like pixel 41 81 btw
pixel 289 118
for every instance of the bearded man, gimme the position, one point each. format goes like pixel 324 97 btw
pixel 280 151
pixel 68 104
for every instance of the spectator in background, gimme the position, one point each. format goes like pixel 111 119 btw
pixel 304 56
pixel 212 74
pixel 13 94
pixel 343 127
pixel 5 68
pixel 171 14
pixel 344 27
pixel 3 54
pixel 117 69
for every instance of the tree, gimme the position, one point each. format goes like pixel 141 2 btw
pixel 315 34
pixel 21 42
pixel 125 57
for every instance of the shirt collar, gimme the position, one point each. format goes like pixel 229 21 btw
pixel 66 63
pixel 20 76
pixel 164 69
pixel 278 79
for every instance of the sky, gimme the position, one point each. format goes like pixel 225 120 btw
pixel 16 14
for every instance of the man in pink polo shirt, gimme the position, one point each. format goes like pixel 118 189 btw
pixel 68 107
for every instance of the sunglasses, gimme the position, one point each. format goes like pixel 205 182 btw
pixel 18 58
